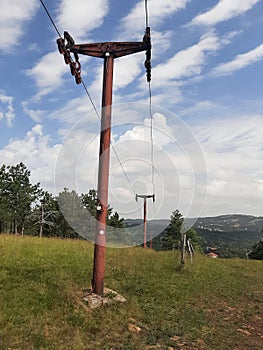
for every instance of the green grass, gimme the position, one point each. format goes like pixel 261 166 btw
pixel 210 304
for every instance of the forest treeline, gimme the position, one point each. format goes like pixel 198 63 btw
pixel 25 208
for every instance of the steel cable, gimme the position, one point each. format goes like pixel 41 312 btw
pixel 92 103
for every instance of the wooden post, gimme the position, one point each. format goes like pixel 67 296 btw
pixel 42 219
pixel 190 250
pixel 183 249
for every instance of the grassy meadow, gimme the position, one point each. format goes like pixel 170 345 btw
pixel 210 304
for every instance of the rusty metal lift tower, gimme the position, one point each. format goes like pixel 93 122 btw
pixel 145 197
pixel 108 51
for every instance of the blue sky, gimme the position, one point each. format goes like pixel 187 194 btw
pixel 207 63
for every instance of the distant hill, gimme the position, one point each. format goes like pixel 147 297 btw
pixel 234 222
pixel 234 230
pixel 244 226
pixel 227 228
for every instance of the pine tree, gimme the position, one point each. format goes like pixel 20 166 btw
pixel 257 252
pixel 17 196
pixel 172 234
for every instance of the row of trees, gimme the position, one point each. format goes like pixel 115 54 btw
pixel 27 208
pixel 17 195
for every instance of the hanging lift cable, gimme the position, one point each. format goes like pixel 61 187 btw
pixel 152 140
pixel 90 98
pixel 56 29
pixel 112 146
pixel 151 115
pixel 146 13
pixel 51 19
pixel 152 147
pixel 92 103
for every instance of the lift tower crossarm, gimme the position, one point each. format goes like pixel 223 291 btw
pixel 145 196
pixel 115 49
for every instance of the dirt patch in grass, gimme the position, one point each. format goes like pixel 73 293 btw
pixel 238 326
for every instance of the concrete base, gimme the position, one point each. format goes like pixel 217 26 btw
pixel 93 300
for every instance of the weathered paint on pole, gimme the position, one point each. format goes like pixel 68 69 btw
pixel 103 178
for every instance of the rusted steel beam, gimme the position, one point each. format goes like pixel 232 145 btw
pixel 113 48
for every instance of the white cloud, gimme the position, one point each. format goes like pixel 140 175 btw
pixel 239 136
pixel 177 161
pixel 74 110
pixel 224 10
pixel 34 47
pixel 134 23
pixel 36 153
pixel 161 41
pixel 34 114
pixel 49 70
pixel 48 73
pixel 71 164
pixel 161 131
pixel 7 111
pixel 14 15
pixel 232 147
pixel 77 160
pixel 81 17
pixel 127 69
pixel 186 66
pixel 189 62
pixel 239 62
pixel 233 152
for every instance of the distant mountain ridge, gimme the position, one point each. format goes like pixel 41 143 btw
pixel 233 235
pixel 220 223
pixel 220 230
pixel 230 222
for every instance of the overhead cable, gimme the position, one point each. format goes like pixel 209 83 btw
pixel 91 101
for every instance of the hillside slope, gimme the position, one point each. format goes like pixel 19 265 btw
pixel 234 235
pixel 209 304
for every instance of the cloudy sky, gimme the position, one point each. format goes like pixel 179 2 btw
pixel 206 130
